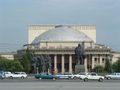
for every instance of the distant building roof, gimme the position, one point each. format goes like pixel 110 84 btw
pixel 8 53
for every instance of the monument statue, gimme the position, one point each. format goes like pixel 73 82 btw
pixel 48 62
pixel 79 51
pixel 42 63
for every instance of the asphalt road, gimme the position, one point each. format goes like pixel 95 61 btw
pixel 33 84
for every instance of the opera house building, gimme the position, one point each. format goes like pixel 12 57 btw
pixel 60 41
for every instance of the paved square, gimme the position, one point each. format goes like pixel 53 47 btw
pixel 59 85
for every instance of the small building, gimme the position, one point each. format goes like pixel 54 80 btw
pixel 8 55
pixel 116 56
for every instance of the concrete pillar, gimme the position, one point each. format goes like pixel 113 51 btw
pixel 63 64
pixel 85 64
pixel 55 63
pixel 70 63
pixel 93 62
pixel 100 60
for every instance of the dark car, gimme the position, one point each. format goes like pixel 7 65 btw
pixel 45 76
pixel 2 75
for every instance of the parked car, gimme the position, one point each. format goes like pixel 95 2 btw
pixel 15 75
pixel 21 75
pixel 45 76
pixel 113 76
pixel 2 76
pixel 92 76
pixel 80 75
pixel 8 74
pixel 66 75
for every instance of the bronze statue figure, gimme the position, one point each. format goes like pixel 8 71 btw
pixel 42 62
pixel 79 51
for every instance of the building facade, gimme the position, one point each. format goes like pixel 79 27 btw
pixel 8 55
pixel 60 41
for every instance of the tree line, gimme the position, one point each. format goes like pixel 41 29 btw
pixel 22 64
pixel 10 65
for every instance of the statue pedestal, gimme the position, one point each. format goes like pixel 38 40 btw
pixel 79 68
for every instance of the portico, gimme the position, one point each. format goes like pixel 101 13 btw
pixel 64 59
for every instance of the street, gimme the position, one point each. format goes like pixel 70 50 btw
pixel 33 84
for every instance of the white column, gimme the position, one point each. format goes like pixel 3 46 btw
pixel 55 63
pixel 100 60
pixel 70 63
pixel 93 62
pixel 63 62
pixel 85 64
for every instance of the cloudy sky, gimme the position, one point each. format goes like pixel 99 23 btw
pixel 15 15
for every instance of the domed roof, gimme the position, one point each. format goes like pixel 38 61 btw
pixel 61 34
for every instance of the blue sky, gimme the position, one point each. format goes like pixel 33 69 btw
pixel 15 15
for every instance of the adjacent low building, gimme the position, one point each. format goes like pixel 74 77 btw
pixel 8 55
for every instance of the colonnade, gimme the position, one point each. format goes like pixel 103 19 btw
pixel 91 61
pixel 63 63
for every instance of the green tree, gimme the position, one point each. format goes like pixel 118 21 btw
pixel 116 66
pixel 108 66
pixel 98 69
pixel 10 65
pixel 26 61
pixel 16 66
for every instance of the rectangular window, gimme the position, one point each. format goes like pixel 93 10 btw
pixel 95 59
pixel 103 60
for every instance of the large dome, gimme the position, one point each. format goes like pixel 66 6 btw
pixel 62 34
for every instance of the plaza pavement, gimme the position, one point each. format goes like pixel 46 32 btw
pixel 32 84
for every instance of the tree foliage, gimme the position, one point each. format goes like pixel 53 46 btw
pixel 98 69
pixel 116 66
pixel 25 61
pixel 108 66
pixel 10 65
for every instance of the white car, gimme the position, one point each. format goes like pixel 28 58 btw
pixel 15 75
pixel 113 76
pixel 80 75
pixel 7 74
pixel 19 75
pixel 66 75
pixel 92 76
